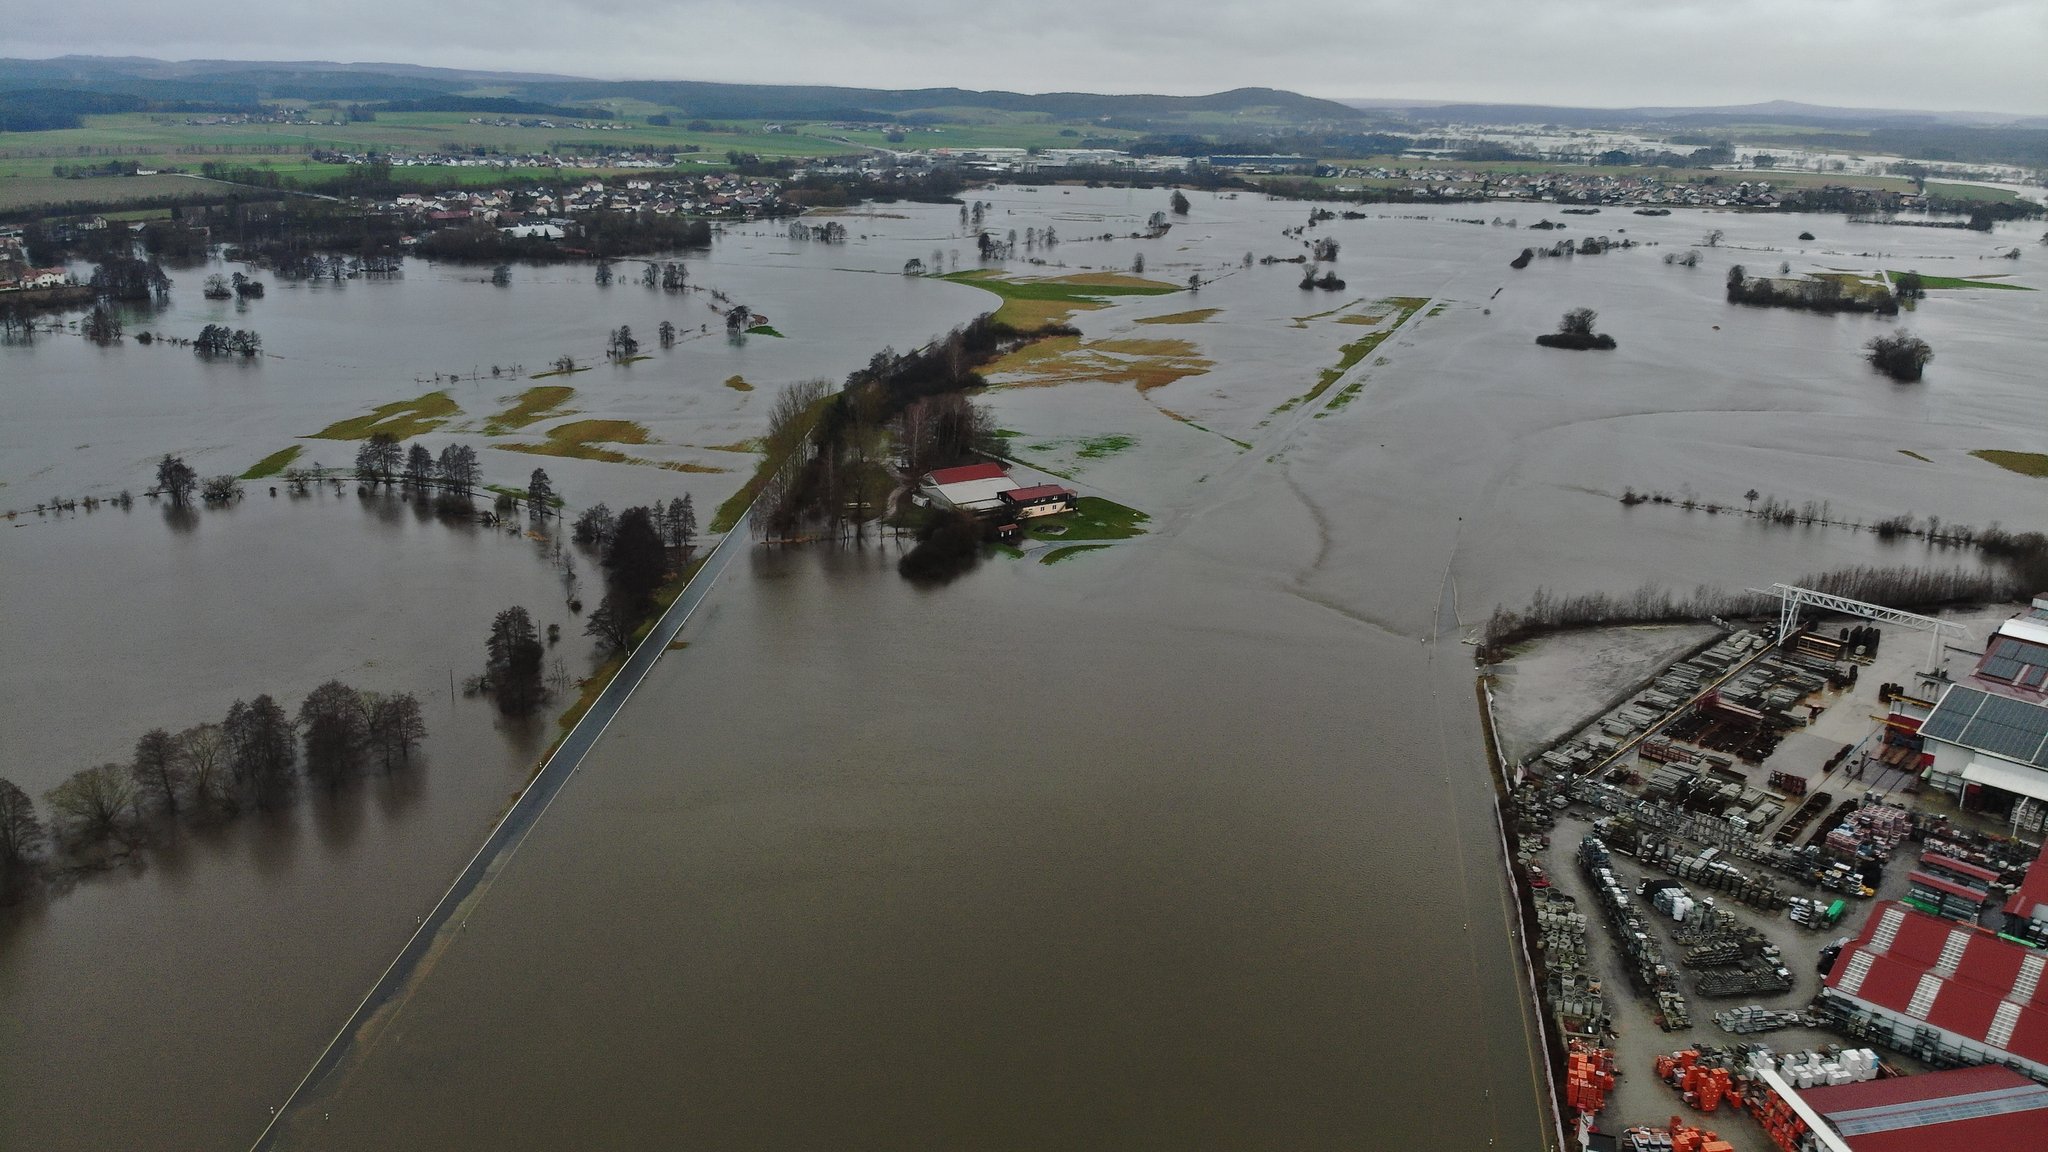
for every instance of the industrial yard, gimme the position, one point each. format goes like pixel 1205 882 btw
pixel 1707 822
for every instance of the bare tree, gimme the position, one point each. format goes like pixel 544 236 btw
pixel 203 748
pixel 419 465
pixel 263 747
pixel 459 468
pixel 176 479
pixel 159 769
pixel 610 625
pixel 396 726
pixel 336 729
pixel 21 834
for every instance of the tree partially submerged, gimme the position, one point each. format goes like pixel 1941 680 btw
pixel 1575 331
pixel 512 664
pixel 176 479
pixel 21 838
pixel 94 804
pixel 1899 355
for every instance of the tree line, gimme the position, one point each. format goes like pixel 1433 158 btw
pixel 831 449
pixel 1901 587
pixel 641 549
pixel 253 757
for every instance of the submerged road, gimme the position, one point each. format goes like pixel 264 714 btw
pixel 511 831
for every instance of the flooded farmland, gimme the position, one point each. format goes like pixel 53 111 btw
pixel 1187 842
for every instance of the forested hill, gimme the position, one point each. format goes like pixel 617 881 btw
pixel 165 84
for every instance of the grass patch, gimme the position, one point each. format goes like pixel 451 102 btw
pixel 1302 321
pixel 1069 552
pixel 272 464
pixel 634 359
pixel 1436 311
pixel 1034 303
pixel 1193 316
pixel 1148 364
pixel 1402 307
pixel 558 372
pixel 581 439
pixel 738 384
pixel 764 330
pixel 1093 518
pixel 589 688
pixel 688 466
pixel 400 419
pixel 531 405
pixel 1935 282
pixel 736 505
pixel 1914 455
pixel 749 445
pixel 1097 447
pixel 2025 463
pixel 1172 415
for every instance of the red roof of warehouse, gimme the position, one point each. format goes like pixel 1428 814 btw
pixel 1988 1109
pixel 2032 893
pixel 966 472
pixel 1036 492
pixel 1966 999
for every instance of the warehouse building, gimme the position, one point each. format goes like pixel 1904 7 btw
pixel 1986 739
pixel 1976 1109
pixel 1945 992
pixel 2026 910
pixel 970 487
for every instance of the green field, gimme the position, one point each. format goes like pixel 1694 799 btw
pixel 2024 463
pixel 1935 282
pixel 1093 518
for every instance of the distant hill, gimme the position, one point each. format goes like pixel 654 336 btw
pixel 1769 111
pixel 243 82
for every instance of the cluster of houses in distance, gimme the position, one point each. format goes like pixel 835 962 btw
pixel 17 275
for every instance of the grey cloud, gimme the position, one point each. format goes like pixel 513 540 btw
pixel 1982 54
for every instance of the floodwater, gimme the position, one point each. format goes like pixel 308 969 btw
pixel 1185 842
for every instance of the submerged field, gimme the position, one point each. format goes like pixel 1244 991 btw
pixel 1108 744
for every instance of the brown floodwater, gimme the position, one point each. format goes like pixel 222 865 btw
pixel 1186 842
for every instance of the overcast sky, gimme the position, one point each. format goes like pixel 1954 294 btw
pixel 1939 54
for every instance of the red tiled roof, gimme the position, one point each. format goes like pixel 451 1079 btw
pixel 1967 999
pixel 1987 1109
pixel 1037 492
pixel 965 473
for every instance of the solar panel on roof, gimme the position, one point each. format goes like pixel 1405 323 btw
pixel 1953 714
pixel 2011 728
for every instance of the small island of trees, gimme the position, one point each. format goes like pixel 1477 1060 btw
pixel 1899 355
pixel 1575 331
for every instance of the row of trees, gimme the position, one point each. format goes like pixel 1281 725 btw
pixel 380 461
pixel 833 448
pixel 129 280
pixel 1895 587
pixel 1823 295
pixel 179 481
pixel 251 757
pixel 220 340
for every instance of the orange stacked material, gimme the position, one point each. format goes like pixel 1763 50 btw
pixel 1688 1139
pixel 1779 1121
pixel 1589 1077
